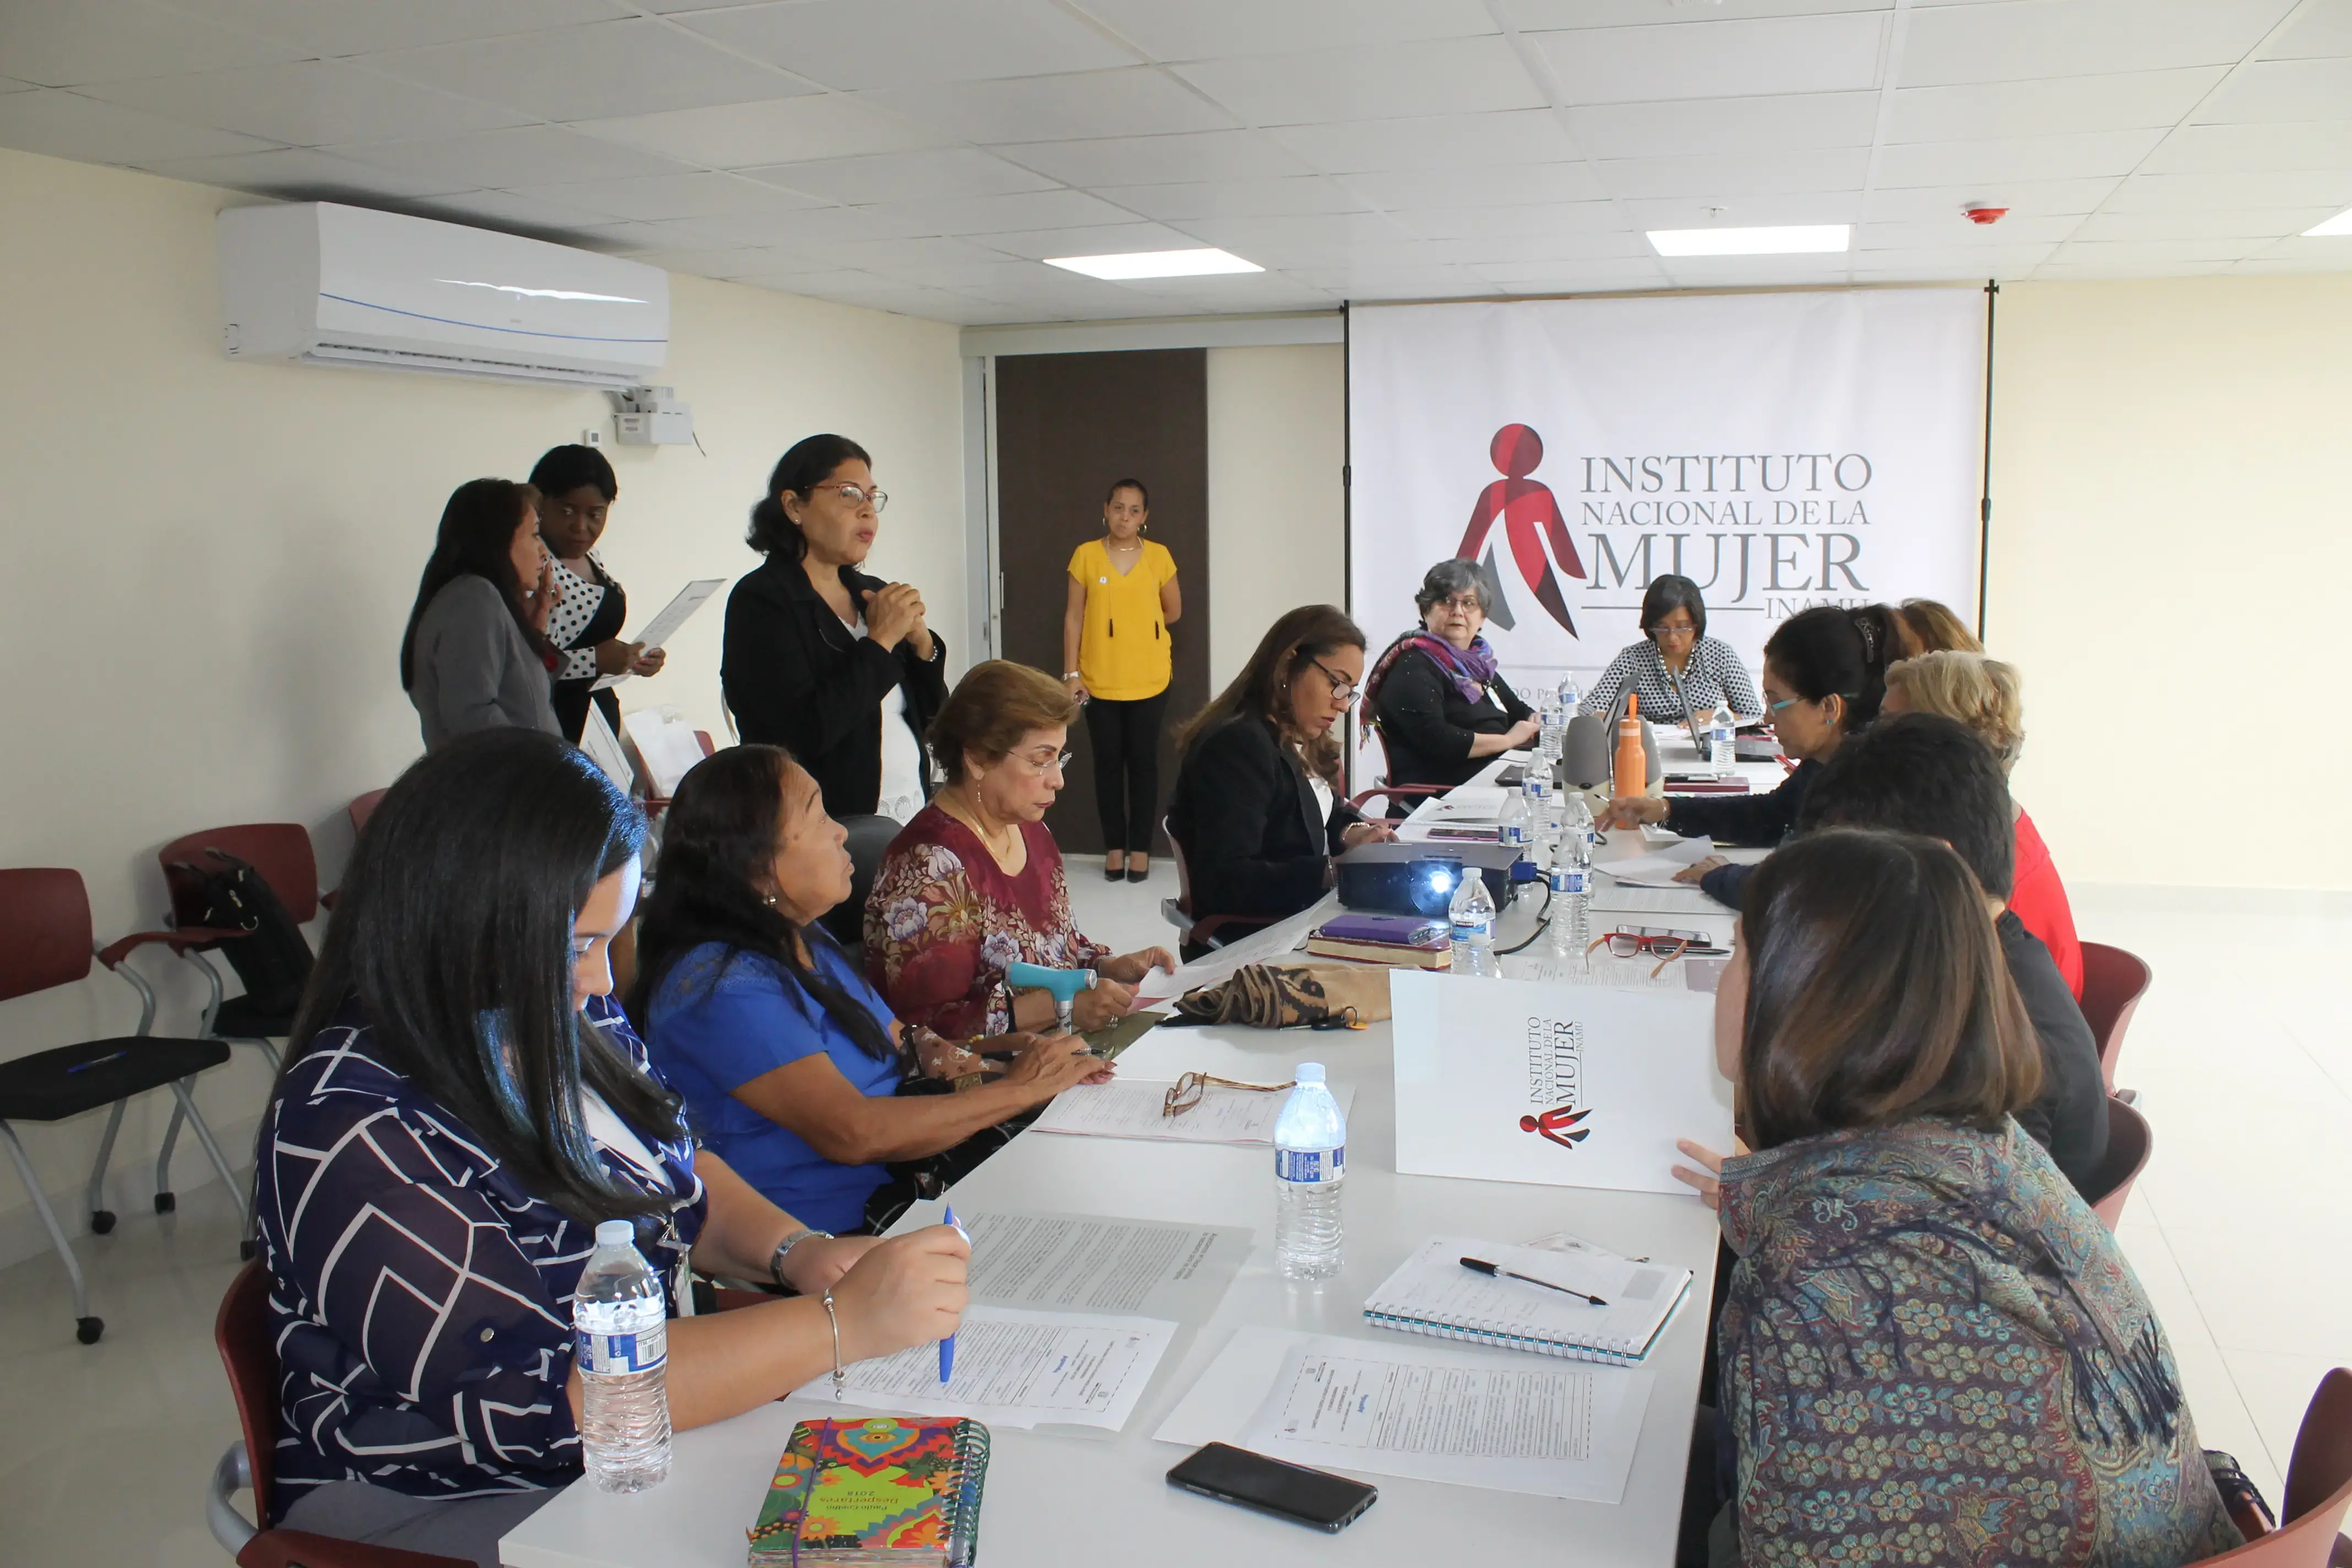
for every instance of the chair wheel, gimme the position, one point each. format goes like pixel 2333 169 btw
pixel 102 1221
pixel 166 1202
pixel 247 1249
pixel 87 1330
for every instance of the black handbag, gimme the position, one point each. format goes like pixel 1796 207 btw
pixel 227 893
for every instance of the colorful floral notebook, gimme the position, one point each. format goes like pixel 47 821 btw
pixel 883 1491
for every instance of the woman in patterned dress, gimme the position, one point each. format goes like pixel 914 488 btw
pixel 576 489
pixel 463 1103
pixel 973 884
pixel 1931 1351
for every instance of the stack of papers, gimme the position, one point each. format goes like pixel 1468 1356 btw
pixel 1016 1368
pixel 1658 869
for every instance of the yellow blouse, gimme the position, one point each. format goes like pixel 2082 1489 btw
pixel 1123 653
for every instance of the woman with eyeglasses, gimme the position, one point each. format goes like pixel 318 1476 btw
pixel 1123 580
pixel 1259 807
pixel 1677 669
pixel 1442 706
pixel 793 1069
pixel 839 667
pixel 973 884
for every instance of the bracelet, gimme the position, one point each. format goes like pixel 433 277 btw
pixel 776 1258
pixel 1069 675
pixel 835 1319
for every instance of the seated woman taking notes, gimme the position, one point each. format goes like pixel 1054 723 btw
pixel 794 1070
pixel 1931 1351
pixel 462 1103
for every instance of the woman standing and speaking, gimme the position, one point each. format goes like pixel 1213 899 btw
pixel 1117 660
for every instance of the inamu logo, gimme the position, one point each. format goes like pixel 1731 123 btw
pixel 1556 1078
pixel 1556 1125
pixel 1531 517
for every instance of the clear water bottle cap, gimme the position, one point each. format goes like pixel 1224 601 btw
pixel 615 1233
pixel 1309 1072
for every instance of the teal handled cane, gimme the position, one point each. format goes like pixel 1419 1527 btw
pixel 1063 984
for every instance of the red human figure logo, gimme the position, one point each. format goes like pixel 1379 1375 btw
pixel 1555 1124
pixel 1530 517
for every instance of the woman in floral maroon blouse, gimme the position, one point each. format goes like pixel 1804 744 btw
pixel 973 884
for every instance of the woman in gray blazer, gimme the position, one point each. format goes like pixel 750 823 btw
pixel 475 656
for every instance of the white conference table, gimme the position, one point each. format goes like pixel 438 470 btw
pixel 1056 1500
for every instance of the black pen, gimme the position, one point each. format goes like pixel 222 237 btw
pixel 1498 1271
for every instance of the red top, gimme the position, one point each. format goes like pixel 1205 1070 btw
pixel 2040 901
pixel 944 921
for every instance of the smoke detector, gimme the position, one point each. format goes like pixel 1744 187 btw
pixel 1986 215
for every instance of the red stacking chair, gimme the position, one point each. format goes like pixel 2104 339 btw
pixel 45 941
pixel 2318 1489
pixel 1198 929
pixel 280 854
pixel 2130 1142
pixel 242 1331
pixel 361 809
pixel 2113 983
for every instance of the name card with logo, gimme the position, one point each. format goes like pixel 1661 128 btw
pixel 1570 1086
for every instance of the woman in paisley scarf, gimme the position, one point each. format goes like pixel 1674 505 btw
pixel 1931 1351
pixel 1441 707
pixel 973 884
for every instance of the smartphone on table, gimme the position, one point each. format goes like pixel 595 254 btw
pixel 1237 1476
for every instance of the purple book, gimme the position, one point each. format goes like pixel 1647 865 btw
pixel 1396 931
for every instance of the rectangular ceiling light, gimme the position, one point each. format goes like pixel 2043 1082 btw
pixel 1783 241
pixel 2337 227
pixel 1155 264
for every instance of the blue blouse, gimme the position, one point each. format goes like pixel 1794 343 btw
pixel 723 1016
pixel 420 1296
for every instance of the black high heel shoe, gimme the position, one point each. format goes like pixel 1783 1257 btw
pixel 1113 873
pixel 1135 876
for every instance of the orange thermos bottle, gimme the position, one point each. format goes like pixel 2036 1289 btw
pixel 1630 777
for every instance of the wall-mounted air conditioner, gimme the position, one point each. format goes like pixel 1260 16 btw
pixel 324 284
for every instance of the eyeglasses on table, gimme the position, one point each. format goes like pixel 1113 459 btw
pixel 1188 1091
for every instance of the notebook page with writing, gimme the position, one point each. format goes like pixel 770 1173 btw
pixel 1432 1293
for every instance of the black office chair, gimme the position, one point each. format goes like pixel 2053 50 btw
pixel 869 840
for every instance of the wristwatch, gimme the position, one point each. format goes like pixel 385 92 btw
pixel 792 1240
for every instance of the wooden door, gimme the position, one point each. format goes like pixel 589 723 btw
pixel 1066 426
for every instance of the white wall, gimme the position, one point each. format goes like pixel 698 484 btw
pixel 1277 510
pixel 205 567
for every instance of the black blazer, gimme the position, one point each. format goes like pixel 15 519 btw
pixel 2070 1118
pixel 1427 726
pixel 796 678
pixel 1254 843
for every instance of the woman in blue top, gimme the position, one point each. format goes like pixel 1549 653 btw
pixel 792 1066
pixel 463 1104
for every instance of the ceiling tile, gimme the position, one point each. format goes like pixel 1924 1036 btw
pixel 1836 53
pixel 1237 198
pixel 2083 157
pixel 527 156
pixel 2085 253
pixel 2059 270
pixel 1550 245
pixel 307 103
pixel 1541 277
pixel 2300 256
pixel 1710 126
pixel 1392 280
pixel 1201 155
pixel 1109 239
pixel 334 28
pixel 1206 29
pixel 1139 101
pixel 1578 225
pixel 657 196
pixel 715 261
pixel 1739 179
pixel 1936 266
pixel 1544 16
pixel 1301 239
pixel 2216 193
pixel 1377 82
pixel 67 125
pixel 2301 144
pixel 1952 232
pixel 1231 294
pixel 1009 213
pixel 623 238
pixel 1700 212
pixel 2024 198
pixel 304 175
pixel 996 271
pixel 1509 184
pixel 905 176
pixel 2284 90
pixel 2271 223
pixel 2121 102
pixel 66 43
pixel 600 71
pixel 1953 45
pixel 753 135
pixel 869 292
pixel 10 84
pixel 849 44
pixel 2321 32
pixel 937 250
pixel 506 210
pixel 814 225
pixel 1431 141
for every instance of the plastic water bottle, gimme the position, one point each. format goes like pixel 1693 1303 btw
pixel 1543 817
pixel 1722 750
pixel 1576 836
pixel 1473 912
pixel 623 1338
pixel 1512 824
pixel 1311 1162
pixel 1558 708
pixel 1570 918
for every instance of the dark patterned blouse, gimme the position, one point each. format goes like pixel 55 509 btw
pixel 420 1297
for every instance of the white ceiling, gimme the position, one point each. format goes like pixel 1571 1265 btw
pixel 925 155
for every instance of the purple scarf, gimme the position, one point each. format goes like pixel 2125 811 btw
pixel 1469 670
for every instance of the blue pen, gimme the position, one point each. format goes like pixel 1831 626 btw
pixel 118 1055
pixel 946 1346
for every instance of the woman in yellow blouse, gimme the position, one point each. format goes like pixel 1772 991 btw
pixel 1116 659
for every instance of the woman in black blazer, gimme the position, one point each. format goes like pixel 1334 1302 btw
pixel 839 668
pixel 1258 809
pixel 1442 706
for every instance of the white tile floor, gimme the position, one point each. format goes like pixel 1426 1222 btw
pixel 2242 1057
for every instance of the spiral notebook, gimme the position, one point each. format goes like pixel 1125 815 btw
pixel 895 1491
pixel 1433 1293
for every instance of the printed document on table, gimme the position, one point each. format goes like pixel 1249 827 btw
pixel 1132 1107
pixel 1275 944
pixel 1017 1368
pixel 1491 1419
pixel 1658 869
pixel 1682 899
pixel 1085 1263
pixel 658 632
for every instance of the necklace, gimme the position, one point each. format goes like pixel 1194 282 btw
pixel 959 803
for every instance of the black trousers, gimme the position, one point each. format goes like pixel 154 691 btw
pixel 1126 737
